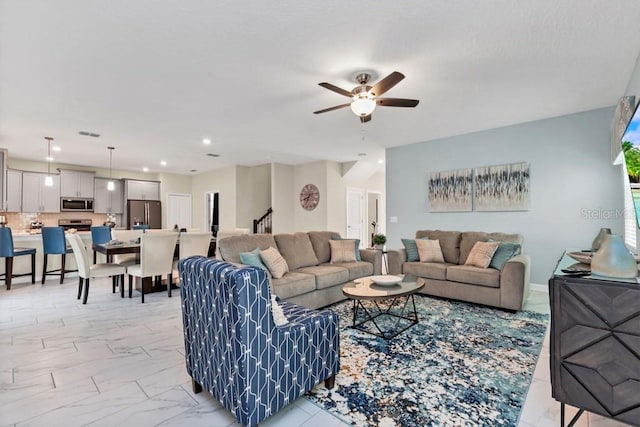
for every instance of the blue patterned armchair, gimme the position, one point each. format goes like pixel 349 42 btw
pixel 235 351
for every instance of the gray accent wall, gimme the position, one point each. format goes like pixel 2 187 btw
pixel 575 190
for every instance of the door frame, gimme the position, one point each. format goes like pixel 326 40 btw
pixel 381 226
pixel 205 223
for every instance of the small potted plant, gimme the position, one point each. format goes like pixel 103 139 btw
pixel 379 240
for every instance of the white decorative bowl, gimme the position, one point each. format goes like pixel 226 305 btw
pixel 583 257
pixel 386 280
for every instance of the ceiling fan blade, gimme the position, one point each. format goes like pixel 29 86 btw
pixel 397 102
pixel 387 83
pixel 365 119
pixel 337 107
pixel 336 89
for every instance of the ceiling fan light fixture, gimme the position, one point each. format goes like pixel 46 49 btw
pixel 363 106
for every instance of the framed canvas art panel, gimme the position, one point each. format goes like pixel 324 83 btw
pixel 451 191
pixel 502 187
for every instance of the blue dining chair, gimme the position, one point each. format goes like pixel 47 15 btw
pixel 54 243
pixel 144 227
pixel 100 234
pixel 7 251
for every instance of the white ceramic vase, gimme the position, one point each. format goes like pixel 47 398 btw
pixel 597 242
pixel 613 259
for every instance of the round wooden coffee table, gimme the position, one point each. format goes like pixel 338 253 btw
pixel 401 294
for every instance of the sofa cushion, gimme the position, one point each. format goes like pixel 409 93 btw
pixel 504 253
pixel 429 270
pixel 327 275
pixel 429 250
pixel 449 242
pixel 356 244
pixel 276 264
pixel 320 243
pixel 293 284
pixel 342 251
pixel 411 249
pixel 296 249
pixel 357 269
pixel 469 238
pixel 474 275
pixel 253 258
pixel 230 247
pixel 481 254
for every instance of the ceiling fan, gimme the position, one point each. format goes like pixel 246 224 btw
pixel 364 97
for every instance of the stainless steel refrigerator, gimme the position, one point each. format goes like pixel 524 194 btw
pixel 144 212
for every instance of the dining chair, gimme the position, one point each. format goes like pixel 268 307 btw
pixel 125 236
pixel 53 243
pixel 156 259
pixel 87 271
pixel 100 234
pixel 8 252
pixel 196 243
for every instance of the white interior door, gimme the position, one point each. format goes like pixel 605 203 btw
pixel 178 210
pixel 355 214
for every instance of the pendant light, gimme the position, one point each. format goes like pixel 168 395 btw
pixel 48 181
pixel 111 186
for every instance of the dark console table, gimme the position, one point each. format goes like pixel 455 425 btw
pixel 595 344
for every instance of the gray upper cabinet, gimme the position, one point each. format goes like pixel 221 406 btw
pixel 76 184
pixel 108 202
pixel 37 197
pixel 14 190
pixel 142 190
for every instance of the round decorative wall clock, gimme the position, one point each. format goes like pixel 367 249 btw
pixel 309 197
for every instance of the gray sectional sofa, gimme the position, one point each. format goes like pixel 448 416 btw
pixel 506 288
pixel 312 281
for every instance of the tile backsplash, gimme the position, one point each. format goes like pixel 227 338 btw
pixel 22 221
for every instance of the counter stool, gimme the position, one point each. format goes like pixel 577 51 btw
pixel 100 234
pixel 53 243
pixel 7 251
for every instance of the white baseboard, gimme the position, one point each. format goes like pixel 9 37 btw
pixel 538 287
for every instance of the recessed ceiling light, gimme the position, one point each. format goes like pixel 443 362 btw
pixel 206 141
pixel 49 159
pixel 380 161
pixel 56 148
pixel 145 169
pixel 163 163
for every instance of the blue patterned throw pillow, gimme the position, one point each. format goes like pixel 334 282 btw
pixel 252 258
pixel 504 253
pixel 412 249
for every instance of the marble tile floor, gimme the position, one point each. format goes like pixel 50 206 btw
pixel 119 362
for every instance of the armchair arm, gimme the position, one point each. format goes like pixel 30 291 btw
pixel 396 258
pixel 373 256
pixel 514 282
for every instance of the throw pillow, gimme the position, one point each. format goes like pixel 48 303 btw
pixel 429 250
pixel 252 258
pixel 411 249
pixel 278 314
pixel 504 253
pixel 481 254
pixel 274 262
pixel 357 246
pixel 342 251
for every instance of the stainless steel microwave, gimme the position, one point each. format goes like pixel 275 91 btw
pixel 76 205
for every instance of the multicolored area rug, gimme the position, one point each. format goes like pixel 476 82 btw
pixel 462 365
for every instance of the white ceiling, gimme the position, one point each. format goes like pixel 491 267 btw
pixel 154 77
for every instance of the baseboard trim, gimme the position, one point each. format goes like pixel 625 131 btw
pixel 538 287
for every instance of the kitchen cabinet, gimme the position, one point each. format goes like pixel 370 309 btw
pixel 14 190
pixel 76 184
pixel 108 202
pixel 3 177
pixel 142 190
pixel 37 197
